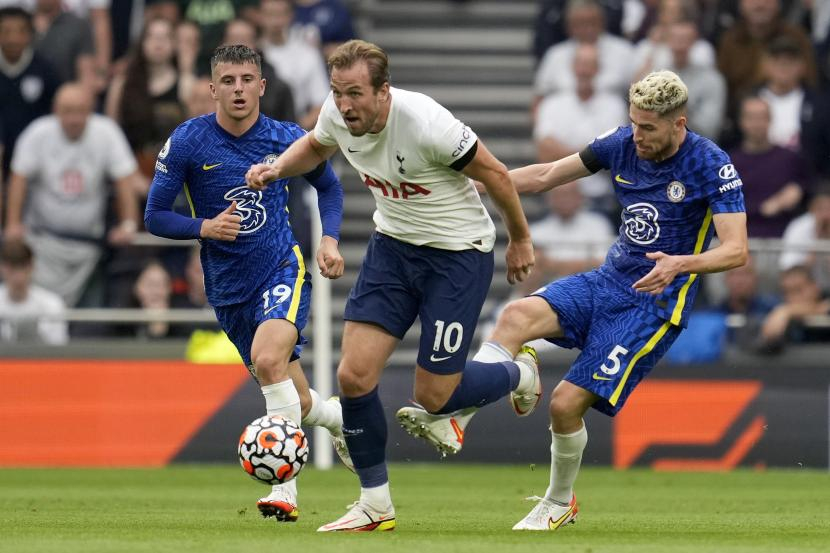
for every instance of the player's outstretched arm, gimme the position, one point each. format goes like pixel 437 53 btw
pixel 492 173
pixel 732 252
pixel 541 177
pixel 301 157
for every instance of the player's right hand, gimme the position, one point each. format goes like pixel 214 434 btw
pixel 260 175
pixel 224 226
pixel 520 260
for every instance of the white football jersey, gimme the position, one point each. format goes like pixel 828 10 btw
pixel 420 199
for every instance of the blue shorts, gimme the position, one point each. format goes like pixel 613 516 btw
pixel 445 289
pixel 287 295
pixel 620 342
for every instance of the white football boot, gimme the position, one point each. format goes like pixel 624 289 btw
pixel 281 503
pixel 445 432
pixel 362 518
pixel 524 400
pixel 339 443
pixel 547 515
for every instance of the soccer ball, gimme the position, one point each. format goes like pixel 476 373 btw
pixel 273 450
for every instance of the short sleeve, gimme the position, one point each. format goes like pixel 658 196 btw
pixel 723 185
pixel 172 162
pixel 607 145
pixel 448 139
pixel 26 159
pixel 121 162
pixel 324 130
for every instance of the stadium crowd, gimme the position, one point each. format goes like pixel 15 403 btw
pixel 91 90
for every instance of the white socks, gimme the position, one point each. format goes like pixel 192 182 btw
pixel 327 414
pixel 491 352
pixel 377 498
pixel 565 459
pixel 282 399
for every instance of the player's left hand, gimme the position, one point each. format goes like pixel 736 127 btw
pixel 520 260
pixel 329 260
pixel 665 269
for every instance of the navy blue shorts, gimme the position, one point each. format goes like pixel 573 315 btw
pixel 445 289
pixel 287 295
pixel 620 342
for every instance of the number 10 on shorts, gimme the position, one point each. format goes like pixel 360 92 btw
pixel 451 336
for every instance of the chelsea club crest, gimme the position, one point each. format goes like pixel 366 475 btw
pixel 270 159
pixel 676 191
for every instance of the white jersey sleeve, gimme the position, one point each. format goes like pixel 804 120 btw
pixel 27 159
pixel 449 139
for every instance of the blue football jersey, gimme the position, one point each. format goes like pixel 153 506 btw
pixel 210 164
pixel 667 207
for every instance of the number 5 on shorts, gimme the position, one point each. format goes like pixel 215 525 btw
pixel 614 357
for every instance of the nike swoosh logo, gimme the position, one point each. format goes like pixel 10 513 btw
pixel 436 359
pixel 621 180
pixel 598 377
pixel 352 151
pixel 206 167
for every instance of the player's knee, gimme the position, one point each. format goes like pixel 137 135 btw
pixel 564 411
pixel 270 368
pixel 351 383
pixel 515 318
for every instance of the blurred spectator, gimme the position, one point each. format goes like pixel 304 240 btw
pixel 550 23
pixel 297 63
pixel 707 88
pixel 148 100
pixel 200 101
pixel 741 47
pixel 98 14
pixel 153 290
pixel 324 24
pixel 65 40
pixel 27 81
pixel 810 231
pixel 61 174
pixel 569 239
pixel 654 53
pixel 212 16
pixel 567 120
pixel 802 298
pixel 784 64
pixel 585 21
pixel 277 102
pixel 744 298
pixel 192 294
pixel 26 310
pixel 716 16
pixel 774 178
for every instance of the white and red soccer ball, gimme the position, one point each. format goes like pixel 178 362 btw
pixel 273 450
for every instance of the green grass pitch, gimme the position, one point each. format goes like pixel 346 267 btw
pixel 441 508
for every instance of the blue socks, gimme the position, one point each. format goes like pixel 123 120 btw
pixel 364 428
pixel 482 383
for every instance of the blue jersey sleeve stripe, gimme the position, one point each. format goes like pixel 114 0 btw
pixel 645 350
pixel 681 297
pixel 298 286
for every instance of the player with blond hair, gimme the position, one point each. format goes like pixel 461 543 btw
pixel 677 189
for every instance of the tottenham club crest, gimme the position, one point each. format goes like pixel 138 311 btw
pixel 270 159
pixel 640 222
pixel 248 207
pixel 676 191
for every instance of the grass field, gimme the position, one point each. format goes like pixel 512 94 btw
pixel 440 508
